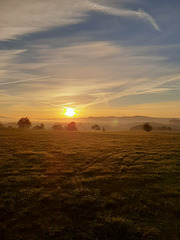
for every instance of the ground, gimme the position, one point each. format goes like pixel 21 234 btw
pixel 89 185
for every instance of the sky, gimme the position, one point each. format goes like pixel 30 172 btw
pixel 100 57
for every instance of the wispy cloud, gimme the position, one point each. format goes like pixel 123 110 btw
pixel 21 81
pixel 35 16
pixel 145 86
pixel 86 65
pixel 125 13
pixel 105 73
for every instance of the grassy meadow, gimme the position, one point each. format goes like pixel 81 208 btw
pixel 89 185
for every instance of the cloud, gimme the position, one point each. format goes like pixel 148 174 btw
pixel 34 16
pixel 81 75
pixel 21 81
pixel 145 86
pixel 8 55
pixel 125 13
pixel 7 60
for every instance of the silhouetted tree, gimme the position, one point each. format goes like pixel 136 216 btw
pixel 71 126
pixel 103 129
pixel 24 123
pixel 147 127
pixel 166 128
pixel 96 127
pixel 39 127
pixel 57 127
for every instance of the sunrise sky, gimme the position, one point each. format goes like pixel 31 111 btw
pixel 100 57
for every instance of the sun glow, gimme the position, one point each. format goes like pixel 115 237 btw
pixel 70 112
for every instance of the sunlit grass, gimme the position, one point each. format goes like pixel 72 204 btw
pixel 80 185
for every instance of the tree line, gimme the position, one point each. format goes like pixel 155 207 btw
pixel 25 123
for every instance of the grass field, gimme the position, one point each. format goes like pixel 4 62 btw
pixel 80 185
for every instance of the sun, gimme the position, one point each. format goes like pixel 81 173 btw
pixel 70 112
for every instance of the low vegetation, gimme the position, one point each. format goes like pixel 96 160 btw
pixel 72 185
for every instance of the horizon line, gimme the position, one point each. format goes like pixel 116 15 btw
pixel 73 118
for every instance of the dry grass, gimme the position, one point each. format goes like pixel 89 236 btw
pixel 80 185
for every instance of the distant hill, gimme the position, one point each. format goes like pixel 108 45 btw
pixel 174 121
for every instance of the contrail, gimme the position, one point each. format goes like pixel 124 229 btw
pixel 40 102
pixel 25 80
pixel 124 13
pixel 132 91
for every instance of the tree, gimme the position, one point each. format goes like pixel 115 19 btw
pixel 96 127
pixel 57 127
pixel 39 127
pixel 71 126
pixel 166 128
pixel 24 123
pixel 147 127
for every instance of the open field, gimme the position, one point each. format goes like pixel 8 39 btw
pixel 80 185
